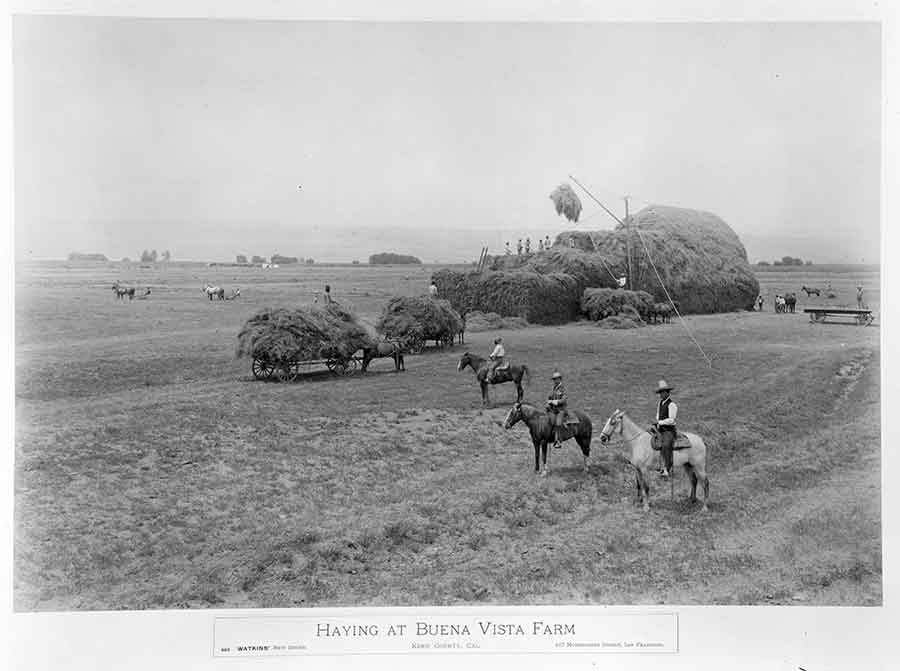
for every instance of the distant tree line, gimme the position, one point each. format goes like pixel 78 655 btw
pixel 151 256
pixel 390 258
pixel 277 259
pixel 786 261
pixel 76 256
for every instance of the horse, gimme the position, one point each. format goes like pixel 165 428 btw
pixel 693 458
pixel 383 350
pixel 790 300
pixel 540 424
pixel 508 373
pixel 662 312
pixel 218 292
pixel 121 291
pixel 810 290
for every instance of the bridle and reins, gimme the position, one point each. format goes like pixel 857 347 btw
pixel 622 431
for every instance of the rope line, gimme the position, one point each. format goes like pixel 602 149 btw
pixel 671 302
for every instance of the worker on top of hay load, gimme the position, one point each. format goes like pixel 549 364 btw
pixel 666 410
pixel 326 298
pixel 859 297
pixel 540 245
pixel 508 250
pixel 556 406
pixel 497 358
pixel 528 245
pixel 433 290
pixel 547 242
pixel 519 247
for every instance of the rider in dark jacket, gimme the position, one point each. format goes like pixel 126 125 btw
pixel 556 406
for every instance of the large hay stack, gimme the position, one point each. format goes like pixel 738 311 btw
pixel 302 334
pixel 551 298
pixel 414 319
pixel 699 258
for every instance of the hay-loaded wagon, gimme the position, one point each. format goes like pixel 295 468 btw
pixel 284 343
pixel 412 321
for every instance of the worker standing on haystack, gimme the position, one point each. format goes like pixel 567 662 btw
pixel 497 358
pixel 859 297
pixel 528 245
pixel 326 298
pixel 540 245
pixel 556 406
pixel 519 247
pixel 547 243
pixel 666 410
pixel 508 250
pixel 433 290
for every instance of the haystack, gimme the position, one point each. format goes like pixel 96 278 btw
pixel 302 334
pixel 551 298
pixel 418 318
pixel 603 303
pixel 700 259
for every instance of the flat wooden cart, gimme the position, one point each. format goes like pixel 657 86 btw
pixel 288 371
pixel 861 317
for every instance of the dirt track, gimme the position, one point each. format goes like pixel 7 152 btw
pixel 153 472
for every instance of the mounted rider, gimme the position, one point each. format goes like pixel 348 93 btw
pixel 666 411
pixel 556 406
pixel 497 358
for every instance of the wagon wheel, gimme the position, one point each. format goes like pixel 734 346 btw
pixel 288 372
pixel 819 317
pixel 337 366
pixel 352 366
pixel 262 368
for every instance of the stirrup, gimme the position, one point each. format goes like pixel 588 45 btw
pixel 557 445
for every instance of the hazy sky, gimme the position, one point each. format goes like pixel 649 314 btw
pixel 193 135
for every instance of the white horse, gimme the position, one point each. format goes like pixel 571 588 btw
pixel 643 456
pixel 211 291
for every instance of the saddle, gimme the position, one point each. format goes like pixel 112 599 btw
pixel 682 442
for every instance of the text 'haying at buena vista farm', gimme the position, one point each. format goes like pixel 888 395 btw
pixel 488 628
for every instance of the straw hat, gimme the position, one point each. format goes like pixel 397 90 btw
pixel 663 386
pixel 556 375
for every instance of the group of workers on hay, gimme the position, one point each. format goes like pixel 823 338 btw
pixel 557 400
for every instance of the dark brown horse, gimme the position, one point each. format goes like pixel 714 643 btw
pixel 516 374
pixel 790 301
pixel 384 350
pixel 540 424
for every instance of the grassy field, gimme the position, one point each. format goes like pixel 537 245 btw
pixel 152 471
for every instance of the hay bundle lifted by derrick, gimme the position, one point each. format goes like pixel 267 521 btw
pixel 411 320
pixel 566 201
pixel 551 298
pixel 281 335
pixel 603 303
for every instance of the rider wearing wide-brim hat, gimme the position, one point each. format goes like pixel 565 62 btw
pixel 666 411
pixel 556 406
pixel 497 357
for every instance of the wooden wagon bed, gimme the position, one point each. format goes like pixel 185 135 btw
pixel 861 317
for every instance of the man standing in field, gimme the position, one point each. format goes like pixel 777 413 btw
pixel 859 297
pixel 497 357
pixel 666 410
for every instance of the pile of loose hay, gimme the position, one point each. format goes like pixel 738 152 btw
pixel 622 321
pixel 551 298
pixel 699 258
pixel 602 303
pixel 407 319
pixel 477 321
pixel 302 334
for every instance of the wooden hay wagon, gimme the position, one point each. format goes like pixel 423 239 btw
pixel 289 370
pixel 861 317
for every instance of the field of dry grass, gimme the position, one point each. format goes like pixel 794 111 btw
pixel 152 471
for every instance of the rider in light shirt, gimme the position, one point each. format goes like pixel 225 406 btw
pixel 496 357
